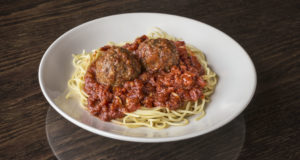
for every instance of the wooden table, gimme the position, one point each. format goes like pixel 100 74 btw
pixel 267 129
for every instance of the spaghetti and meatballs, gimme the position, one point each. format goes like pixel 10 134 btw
pixel 155 81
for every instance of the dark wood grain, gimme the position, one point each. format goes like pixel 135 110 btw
pixel 268 30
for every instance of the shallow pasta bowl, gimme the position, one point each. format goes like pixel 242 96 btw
pixel 235 70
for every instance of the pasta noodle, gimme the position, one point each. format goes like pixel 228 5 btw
pixel 157 117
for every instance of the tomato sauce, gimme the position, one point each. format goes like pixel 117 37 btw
pixel 166 89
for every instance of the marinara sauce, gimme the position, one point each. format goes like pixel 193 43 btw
pixel 183 82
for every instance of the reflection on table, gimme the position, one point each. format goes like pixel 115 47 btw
pixel 71 142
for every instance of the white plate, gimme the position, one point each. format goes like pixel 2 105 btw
pixel 237 76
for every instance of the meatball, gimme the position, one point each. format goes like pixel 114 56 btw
pixel 116 65
pixel 158 54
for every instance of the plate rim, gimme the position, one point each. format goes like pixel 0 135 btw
pixel 142 139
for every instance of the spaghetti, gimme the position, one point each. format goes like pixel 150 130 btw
pixel 155 117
